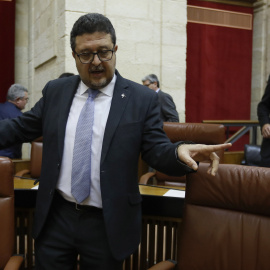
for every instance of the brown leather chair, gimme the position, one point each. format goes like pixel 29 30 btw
pixel 35 160
pixel 196 132
pixel 7 260
pixel 226 220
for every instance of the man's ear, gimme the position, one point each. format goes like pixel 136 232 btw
pixel 115 48
pixel 73 54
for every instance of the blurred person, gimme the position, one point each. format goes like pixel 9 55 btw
pixel 168 111
pixel 66 74
pixel 17 97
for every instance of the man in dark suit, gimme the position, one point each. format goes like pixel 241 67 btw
pixel 168 111
pixel 17 97
pixel 105 227
pixel 263 111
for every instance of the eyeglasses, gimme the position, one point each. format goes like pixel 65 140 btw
pixel 103 56
pixel 148 84
pixel 25 99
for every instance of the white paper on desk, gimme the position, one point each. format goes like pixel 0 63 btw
pixel 35 187
pixel 175 193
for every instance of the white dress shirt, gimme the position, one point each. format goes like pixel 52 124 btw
pixel 102 108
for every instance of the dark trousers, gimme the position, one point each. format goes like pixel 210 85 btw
pixel 68 233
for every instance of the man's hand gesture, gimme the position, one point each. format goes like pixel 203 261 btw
pixel 193 153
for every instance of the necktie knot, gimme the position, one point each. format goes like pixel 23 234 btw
pixel 92 93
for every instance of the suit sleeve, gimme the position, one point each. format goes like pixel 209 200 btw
pixel 156 149
pixel 263 109
pixel 168 108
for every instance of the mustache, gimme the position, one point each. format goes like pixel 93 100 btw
pixel 99 68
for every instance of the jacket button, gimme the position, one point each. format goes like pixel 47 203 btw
pixel 51 192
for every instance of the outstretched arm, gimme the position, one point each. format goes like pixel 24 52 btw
pixel 193 153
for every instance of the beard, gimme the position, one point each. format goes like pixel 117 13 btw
pixel 98 84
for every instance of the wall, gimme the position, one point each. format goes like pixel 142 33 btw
pixel 151 35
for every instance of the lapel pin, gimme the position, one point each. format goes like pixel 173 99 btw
pixel 123 95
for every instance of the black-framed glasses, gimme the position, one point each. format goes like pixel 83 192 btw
pixel 88 57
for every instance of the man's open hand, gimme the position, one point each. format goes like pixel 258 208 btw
pixel 266 131
pixel 193 153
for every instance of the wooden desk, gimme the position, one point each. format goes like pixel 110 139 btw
pixel 25 196
pixel 21 164
pixel 153 201
pixel 23 184
pixel 157 190
pixel 155 204
pixel 160 225
pixel 26 184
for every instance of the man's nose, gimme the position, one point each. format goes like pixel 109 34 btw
pixel 96 61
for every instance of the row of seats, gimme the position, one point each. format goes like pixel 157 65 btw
pixel 225 224
pixel 226 217
pixel 196 132
pixel 226 220
pixel 7 260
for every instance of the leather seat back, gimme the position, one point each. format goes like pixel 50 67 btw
pixel 196 132
pixel 6 210
pixel 226 219
pixel 36 159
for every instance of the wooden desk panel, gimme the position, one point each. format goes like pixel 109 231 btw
pixel 21 164
pixel 23 184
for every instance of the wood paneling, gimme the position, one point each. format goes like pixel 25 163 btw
pixel 219 17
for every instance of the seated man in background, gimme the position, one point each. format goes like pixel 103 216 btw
pixel 17 97
pixel 168 111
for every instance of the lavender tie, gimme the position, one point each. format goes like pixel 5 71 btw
pixel 81 162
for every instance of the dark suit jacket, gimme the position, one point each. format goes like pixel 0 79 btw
pixel 8 110
pixel 263 111
pixel 133 126
pixel 168 111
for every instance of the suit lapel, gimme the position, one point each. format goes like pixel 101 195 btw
pixel 70 88
pixel 120 99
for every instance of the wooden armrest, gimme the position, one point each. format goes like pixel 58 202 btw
pixel 165 265
pixel 14 263
pixel 22 173
pixel 145 177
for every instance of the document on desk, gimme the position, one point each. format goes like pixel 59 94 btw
pixel 175 193
pixel 35 187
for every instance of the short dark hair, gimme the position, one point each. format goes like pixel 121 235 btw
pixel 89 24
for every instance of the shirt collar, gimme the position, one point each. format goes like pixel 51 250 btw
pixel 157 90
pixel 107 90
